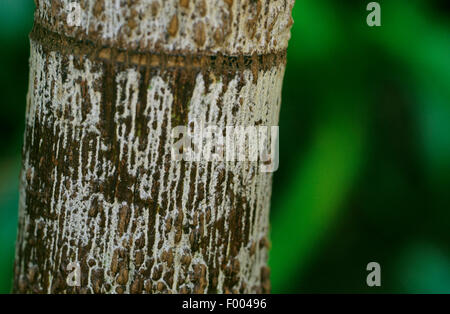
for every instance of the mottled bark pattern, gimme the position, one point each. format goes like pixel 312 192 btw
pixel 98 185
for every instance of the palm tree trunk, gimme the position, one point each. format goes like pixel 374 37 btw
pixel 100 189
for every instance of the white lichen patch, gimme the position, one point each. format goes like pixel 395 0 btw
pixel 229 27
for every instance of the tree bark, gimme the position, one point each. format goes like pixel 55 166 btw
pixel 99 186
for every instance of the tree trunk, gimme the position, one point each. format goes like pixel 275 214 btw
pixel 100 189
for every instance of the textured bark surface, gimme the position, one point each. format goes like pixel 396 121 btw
pixel 98 184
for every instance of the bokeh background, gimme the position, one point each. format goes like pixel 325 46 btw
pixel 364 147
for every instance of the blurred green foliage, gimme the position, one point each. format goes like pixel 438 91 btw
pixel 364 147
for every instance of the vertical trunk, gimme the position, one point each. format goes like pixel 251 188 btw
pixel 99 186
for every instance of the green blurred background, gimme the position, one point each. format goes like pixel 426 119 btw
pixel 364 147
